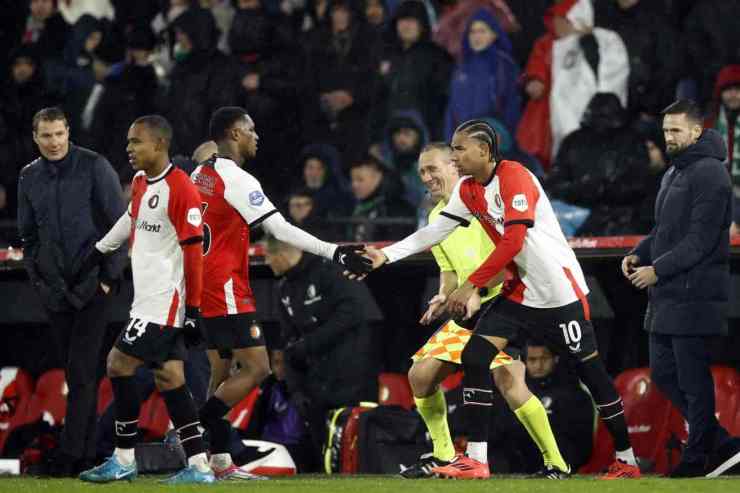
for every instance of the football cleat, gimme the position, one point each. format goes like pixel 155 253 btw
pixel 108 471
pixel 236 473
pixel 621 470
pixel 551 472
pixel 463 467
pixel 190 475
pixel 423 467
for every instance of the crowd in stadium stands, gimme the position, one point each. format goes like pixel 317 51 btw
pixel 344 93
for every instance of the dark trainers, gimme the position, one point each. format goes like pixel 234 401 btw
pixel 551 472
pixel 423 467
pixel 686 469
pixel 724 459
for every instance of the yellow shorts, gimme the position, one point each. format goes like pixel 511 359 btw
pixel 447 344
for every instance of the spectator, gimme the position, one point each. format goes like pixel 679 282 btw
pixel 484 83
pixel 46 28
pixel 341 82
pixel 325 337
pixel 416 72
pixel 131 90
pixel 724 116
pixel 21 97
pixel 68 198
pixel 653 47
pixel 454 22
pixel 604 167
pixel 685 263
pixel 202 80
pixel 302 213
pixel 568 65
pixel 405 136
pixel 322 175
pixel 712 41
pixel 162 27
pixel 569 409
pixel 378 194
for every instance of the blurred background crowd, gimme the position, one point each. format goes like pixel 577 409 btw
pixel 344 93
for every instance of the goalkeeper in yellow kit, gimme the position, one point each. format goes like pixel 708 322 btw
pixel 458 256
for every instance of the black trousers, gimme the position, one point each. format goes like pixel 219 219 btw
pixel 78 338
pixel 680 368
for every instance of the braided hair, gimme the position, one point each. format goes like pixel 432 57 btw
pixel 482 131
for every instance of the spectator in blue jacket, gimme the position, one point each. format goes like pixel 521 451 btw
pixel 685 263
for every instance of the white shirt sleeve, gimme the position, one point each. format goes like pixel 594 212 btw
pixel 281 229
pixel 453 215
pixel 117 235
pixel 244 193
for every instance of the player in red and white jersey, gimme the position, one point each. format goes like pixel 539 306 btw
pixel 544 294
pixel 164 227
pixel 233 204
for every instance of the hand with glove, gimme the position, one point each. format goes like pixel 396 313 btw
pixel 355 264
pixel 191 327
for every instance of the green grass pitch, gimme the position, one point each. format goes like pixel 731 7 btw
pixel 378 484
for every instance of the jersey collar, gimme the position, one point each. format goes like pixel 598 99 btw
pixel 493 173
pixel 162 175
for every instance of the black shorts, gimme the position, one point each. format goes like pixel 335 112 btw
pixel 230 332
pixel 565 329
pixel 152 343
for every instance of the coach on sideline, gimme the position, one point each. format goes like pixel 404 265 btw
pixel 685 263
pixel 67 199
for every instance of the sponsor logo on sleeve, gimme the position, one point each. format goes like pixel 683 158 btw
pixel 194 217
pixel 256 198
pixel 519 202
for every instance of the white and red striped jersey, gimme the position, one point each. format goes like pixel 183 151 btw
pixel 232 204
pixel 164 214
pixel 545 272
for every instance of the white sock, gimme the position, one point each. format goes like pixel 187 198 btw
pixel 124 456
pixel 478 451
pixel 221 461
pixel 627 456
pixel 200 462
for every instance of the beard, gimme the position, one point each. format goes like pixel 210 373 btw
pixel 675 149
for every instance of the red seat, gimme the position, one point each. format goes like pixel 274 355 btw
pixel 727 397
pixel 603 452
pixel 241 413
pixel 452 382
pixel 154 420
pixel 49 401
pixel 16 389
pixel 394 390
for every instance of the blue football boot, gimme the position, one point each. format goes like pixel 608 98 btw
pixel 190 475
pixel 110 470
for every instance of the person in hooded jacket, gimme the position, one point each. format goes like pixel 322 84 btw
pixel 684 262
pixel 24 93
pixel 202 80
pixel 416 71
pixel 603 166
pixel 485 82
pixel 321 173
pixel 405 136
pixel 723 117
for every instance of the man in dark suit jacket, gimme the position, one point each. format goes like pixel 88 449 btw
pixel 684 262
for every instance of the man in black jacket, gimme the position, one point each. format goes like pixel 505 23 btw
pixel 328 345
pixel 67 199
pixel 685 263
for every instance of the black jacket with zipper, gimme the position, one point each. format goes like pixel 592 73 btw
pixel 64 207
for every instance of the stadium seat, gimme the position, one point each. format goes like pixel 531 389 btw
pixel 452 382
pixel 603 451
pixel 49 401
pixel 394 390
pixel 727 395
pixel 154 420
pixel 242 412
pixel 16 389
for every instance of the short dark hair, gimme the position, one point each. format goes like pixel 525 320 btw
pixel 301 192
pixel 369 161
pixel 482 131
pixel 158 125
pixel 51 114
pixel 686 107
pixel 436 146
pixel 223 119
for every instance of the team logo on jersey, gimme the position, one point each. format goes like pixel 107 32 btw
pixel 194 217
pixel 256 198
pixel 255 330
pixel 153 201
pixel 311 295
pixel 519 202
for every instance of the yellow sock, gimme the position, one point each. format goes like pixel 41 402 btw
pixel 433 410
pixel 533 416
